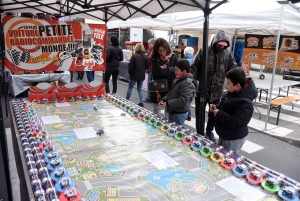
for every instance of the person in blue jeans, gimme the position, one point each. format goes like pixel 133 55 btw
pixel 178 100
pixel 149 71
pixel 90 75
pixel 137 67
pixel 189 55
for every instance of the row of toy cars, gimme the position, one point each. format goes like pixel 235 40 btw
pixel 242 167
pixel 68 99
pixel 48 177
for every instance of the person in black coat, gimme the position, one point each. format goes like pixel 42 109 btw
pixel 163 67
pixel 137 67
pixel 114 55
pixel 235 110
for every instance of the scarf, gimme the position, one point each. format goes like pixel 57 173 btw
pixel 166 59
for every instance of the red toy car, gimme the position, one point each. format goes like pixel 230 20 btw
pixel 79 60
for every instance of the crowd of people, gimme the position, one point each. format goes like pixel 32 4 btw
pixel 230 110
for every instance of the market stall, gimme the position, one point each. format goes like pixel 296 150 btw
pixel 88 152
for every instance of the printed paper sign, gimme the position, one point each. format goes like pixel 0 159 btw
pixel 84 133
pixel 160 159
pixel 53 119
pixel 62 104
pixel 33 44
pixel 241 189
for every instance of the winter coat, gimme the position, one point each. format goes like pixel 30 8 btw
pixel 113 56
pixel 190 58
pixel 159 73
pixel 181 95
pixel 137 66
pixel 218 65
pixel 235 112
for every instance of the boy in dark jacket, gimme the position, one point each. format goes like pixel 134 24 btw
pixel 235 110
pixel 178 100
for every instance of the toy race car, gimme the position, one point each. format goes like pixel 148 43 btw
pixel 79 60
pixel 197 144
pixel 171 132
pixel 255 174
pixel 207 149
pixel 218 155
pixel 271 182
pixel 229 161
pixel 70 99
pixel 134 113
pixel 100 132
pixel 93 97
pixel 55 162
pixel 289 192
pixel 36 101
pixel 52 155
pixel 78 98
pixel 87 54
pixel 70 193
pixel 59 172
pixel 189 138
pixel 45 101
pixel 101 97
pixel 86 98
pixel 62 100
pixel 146 118
pixel 64 182
pixel 53 100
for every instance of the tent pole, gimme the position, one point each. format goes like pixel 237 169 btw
pixel 234 41
pixel 204 69
pixel 272 81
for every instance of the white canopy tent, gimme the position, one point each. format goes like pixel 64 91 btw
pixel 146 23
pixel 243 16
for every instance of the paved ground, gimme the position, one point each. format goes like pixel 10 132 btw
pixel 260 147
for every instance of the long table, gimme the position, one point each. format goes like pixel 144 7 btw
pixel 265 86
pixel 134 161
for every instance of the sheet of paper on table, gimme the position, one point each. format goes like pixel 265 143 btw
pixel 160 159
pixel 53 119
pixel 241 189
pixel 85 133
pixel 62 104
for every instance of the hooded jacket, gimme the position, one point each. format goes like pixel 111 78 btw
pixel 219 63
pixel 114 55
pixel 235 112
pixel 181 94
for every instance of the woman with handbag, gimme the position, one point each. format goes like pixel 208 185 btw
pixel 114 55
pixel 137 67
pixel 163 71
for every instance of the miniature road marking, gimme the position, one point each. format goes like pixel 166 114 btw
pixel 88 185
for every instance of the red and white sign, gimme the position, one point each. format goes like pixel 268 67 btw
pixel 32 44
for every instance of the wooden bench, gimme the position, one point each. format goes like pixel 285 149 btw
pixel 276 104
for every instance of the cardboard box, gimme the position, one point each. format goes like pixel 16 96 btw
pixel 42 90
pixel 94 88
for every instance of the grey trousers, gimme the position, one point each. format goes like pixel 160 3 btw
pixel 234 145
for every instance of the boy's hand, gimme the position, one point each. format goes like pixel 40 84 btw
pixel 162 103
pixel 212 107
pixel 215 112
pixel 163 66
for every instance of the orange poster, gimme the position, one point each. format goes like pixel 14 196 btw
pixel 260 49
pixel 33 44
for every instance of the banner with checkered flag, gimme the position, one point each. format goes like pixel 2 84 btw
pixel 15 56
pixel 25 56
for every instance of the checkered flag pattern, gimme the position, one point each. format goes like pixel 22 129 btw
pixel 25 56
pixel 15 56
pixel 59 63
